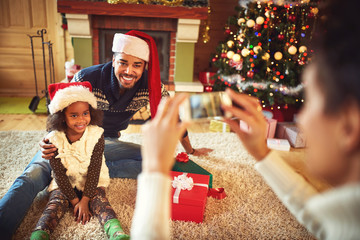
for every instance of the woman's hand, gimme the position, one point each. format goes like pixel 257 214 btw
pixel 251 113
pixel 81 211
pixel 161 136
pixel 47 149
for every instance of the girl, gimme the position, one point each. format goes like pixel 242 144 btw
pixel 80 172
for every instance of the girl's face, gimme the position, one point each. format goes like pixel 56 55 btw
pixel 128 69
pixel 325 157
pixel 77 117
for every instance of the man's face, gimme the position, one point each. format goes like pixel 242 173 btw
pixel 128 69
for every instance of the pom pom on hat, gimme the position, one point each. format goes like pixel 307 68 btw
pixel 64 94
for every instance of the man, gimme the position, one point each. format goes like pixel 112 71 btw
pixel 121 87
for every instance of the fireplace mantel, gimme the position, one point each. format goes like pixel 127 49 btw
pixel 134 10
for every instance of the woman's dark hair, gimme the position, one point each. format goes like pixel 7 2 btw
pixel 57 122
pixel 337 53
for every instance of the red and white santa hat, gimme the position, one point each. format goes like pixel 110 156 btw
pixel 64 94
pixel 143 46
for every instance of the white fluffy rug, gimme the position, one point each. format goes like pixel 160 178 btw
pixel 250 211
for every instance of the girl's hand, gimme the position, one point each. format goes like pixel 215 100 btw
pixel 81 211
pixel 251 113
pixel 161 136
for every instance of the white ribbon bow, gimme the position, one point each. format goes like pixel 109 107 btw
pixel 182 182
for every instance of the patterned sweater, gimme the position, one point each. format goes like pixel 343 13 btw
pixel 118 109
pixel 80 164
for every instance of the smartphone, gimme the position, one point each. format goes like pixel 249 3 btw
pixel 202 106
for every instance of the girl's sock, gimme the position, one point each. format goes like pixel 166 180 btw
pixel 114 231
pixel 39 235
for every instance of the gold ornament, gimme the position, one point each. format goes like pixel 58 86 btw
pixel 292 50
pixel 315 10
pixel 240 21
pixel 260 20
pixel 236 57
pixel 250 23
pixel 257 49
pixel 266 56
pixel 302 49
pixel 245 52
pixel 230 54
pixel 278 56
pixel 230 43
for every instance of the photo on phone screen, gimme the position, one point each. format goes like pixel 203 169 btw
pixel 202 106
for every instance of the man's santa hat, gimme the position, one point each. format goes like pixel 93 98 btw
pixel 141 45
pixel 63 95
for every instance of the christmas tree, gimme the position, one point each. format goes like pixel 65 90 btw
pixel 265 51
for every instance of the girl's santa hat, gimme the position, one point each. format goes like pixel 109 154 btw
pixel 143 46
pixel 64 94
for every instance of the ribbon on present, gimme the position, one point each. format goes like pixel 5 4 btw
pixel 218 193
pixel 182 182
pixel 182 157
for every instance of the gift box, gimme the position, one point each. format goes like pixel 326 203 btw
pixel 219 126
pixel 206 78
pixel 188 196
pixel 278 144
pixel 191 167
pixel 270 131
pixel 289 131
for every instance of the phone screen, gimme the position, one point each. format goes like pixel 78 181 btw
pixel 204 106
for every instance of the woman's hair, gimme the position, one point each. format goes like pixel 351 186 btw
pixel 57 122
pixel 337 54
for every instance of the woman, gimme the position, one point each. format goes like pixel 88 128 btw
pixel 330 119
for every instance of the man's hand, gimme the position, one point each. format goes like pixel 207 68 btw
pixel 161 136
pixel 47 149
pixel 81 211
pixel 255 140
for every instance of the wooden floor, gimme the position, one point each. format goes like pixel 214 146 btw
pixel 27 122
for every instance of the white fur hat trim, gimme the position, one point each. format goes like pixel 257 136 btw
pixel 65 97
pixel 131 45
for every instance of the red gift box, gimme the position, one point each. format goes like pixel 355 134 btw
pixel 206 78
pixel 189 205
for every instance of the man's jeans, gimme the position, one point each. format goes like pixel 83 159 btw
pixel 122 158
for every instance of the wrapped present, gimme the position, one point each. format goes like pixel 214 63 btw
pixel 270 131
pixel 191 167
pixel 278 144
pixel 206 78
pixel 289 131
pixel 219 126
pixel 188 196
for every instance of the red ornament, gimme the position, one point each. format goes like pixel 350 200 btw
pixel 208 88
pixel 214 59
pixel 292 18
pixel 223 55
pixel 227 31
pixel 250 74
pixel 281 37
pixel 257 27
pixel 310 15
